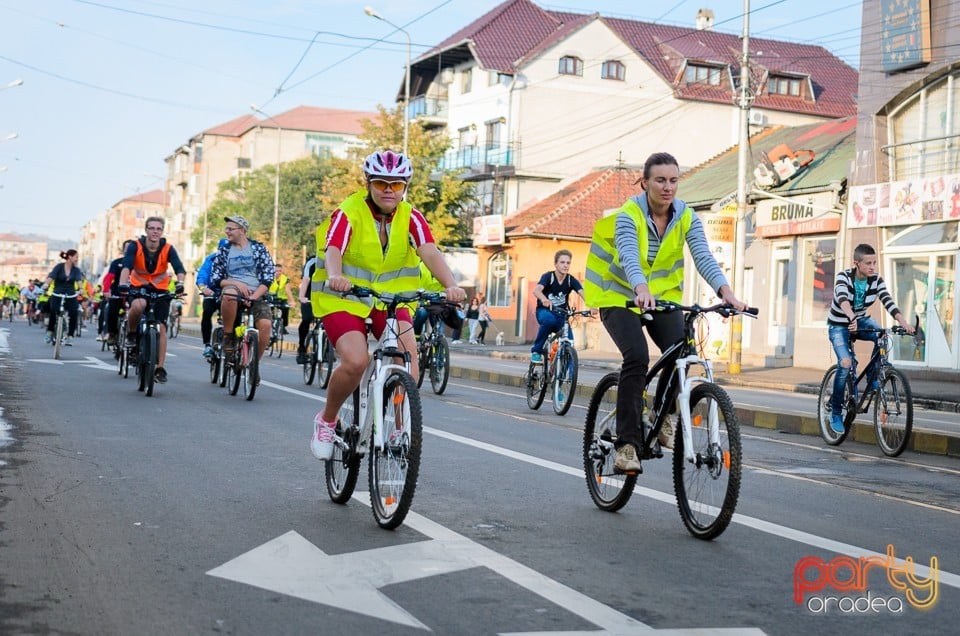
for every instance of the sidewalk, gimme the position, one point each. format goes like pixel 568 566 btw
pixel 934 391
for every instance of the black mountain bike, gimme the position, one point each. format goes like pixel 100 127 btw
pixel 433 354
pixel 892 400
pixel 148 337
pixel 707 454
pixel 276 326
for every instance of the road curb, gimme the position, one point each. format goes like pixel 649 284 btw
pixel 925 442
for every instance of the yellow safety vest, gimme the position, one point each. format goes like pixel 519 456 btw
pixel 364 262
pixel 605 283
pixel 279 286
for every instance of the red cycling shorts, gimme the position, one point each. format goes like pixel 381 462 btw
pixel 341 322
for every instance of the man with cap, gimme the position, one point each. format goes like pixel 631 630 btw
pixel 242 268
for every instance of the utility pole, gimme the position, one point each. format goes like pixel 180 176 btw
pixel 740 239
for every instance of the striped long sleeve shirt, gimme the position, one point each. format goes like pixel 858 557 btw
pixel 843 291
pixel 628 245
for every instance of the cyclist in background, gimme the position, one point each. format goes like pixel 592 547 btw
pixel 854 291
pixel 374 239
pixel 281 285
pixel 146 264
pixel 211 299
pixel 29 296
pixel 306 311
pixel 65 277
pixel 637 255
pixel 11 294
pixel 552 293
pixel 111 283
pixel 243 266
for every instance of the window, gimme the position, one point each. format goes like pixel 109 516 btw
pixel 778 85
pixel 924 132
pixel 570 65
pixel 493 132
pixel 466 81
pixel 698 74
pixel 499 274
pixel 613 69
pixel 819 270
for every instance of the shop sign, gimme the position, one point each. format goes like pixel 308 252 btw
pixel 790 216
pixel 488 230
pixel 909 202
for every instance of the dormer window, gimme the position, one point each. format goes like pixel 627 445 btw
pixel 703 74
pixel 570 65
pixel 613 69
pixel 781 85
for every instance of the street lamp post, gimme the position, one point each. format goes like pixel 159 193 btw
pixel 276 185
pixel 370 11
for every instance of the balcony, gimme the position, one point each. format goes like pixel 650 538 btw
pixel 479 160
pixel 433 111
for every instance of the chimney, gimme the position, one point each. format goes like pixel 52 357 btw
pixel 704 20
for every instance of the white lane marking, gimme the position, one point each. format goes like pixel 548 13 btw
pixel 947 578
pixel 91 362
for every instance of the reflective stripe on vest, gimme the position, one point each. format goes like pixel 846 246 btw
pixel 159 278
pixel 605 281
pixel 364 262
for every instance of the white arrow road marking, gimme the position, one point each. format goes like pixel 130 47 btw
pixel 91 362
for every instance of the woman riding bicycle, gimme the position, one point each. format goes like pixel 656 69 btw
pixel 374 239
pixel 854 291
pixel 65 277
pixel 637 256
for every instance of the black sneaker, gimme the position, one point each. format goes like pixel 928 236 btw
pixel 160 375
pixel 301 357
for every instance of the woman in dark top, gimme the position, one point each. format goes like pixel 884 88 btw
pixel 65 277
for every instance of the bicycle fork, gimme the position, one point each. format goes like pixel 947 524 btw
pixel 683 398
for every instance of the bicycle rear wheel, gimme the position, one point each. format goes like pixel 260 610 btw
pixel 708 488
pixel 120 351
pixel 325 364
pixel 535 382
pixel 824 410
pixel 148 353
pixel 215 359
pixel 235 370
pixel 395 467
pixel 343 468
pixel 440 366
pixel 609 491
pixel 251 368
pixel 565 380
pixel 893 413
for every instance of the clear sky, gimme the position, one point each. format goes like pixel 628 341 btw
pixel 111 87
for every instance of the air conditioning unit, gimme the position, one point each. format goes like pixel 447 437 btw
pixel 446 76
pixel 757 118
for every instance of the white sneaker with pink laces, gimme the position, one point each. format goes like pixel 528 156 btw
pixel 324 434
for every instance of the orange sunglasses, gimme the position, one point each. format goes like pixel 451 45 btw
pixel 383 186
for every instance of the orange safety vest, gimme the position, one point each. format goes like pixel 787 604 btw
pixel 159 278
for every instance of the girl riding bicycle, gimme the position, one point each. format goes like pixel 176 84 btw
pixel 65 277
pixel 854 291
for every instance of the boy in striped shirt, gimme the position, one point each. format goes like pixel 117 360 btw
pixel 854 291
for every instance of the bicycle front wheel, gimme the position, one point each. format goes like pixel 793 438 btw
pixel 150 360
pixel 310 366
pixel 394 467
pixel 824 410
pixel 440 366
pixel 343 468
pixel 565 379
pixel 235 370
pixel 609 491
pixel 536 384
pixel 325 363
pixel 893 413
pixel 58 336
pixel 251 368
pixel 708 487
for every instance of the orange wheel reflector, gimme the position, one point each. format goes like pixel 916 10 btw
pixel 698 420
pixel 389 501
pixel 726 459
pixel 398 398
pixel 599 479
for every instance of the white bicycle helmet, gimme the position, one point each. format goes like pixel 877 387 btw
pixel 386 163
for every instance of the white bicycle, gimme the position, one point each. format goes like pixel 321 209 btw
pixel 383 419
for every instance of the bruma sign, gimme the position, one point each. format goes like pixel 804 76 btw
pixel 813 214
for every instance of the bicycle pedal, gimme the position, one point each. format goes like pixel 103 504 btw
pixel 628 472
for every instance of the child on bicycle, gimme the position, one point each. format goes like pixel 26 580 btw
pixel 854 291
pixel 553 294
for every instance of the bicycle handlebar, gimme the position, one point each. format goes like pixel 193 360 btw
pixel 74 295
pixel 393 299
pixel 724 309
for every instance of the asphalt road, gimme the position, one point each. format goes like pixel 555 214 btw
pixel 195 512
